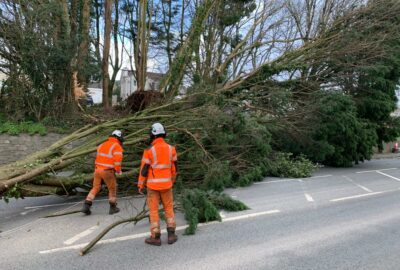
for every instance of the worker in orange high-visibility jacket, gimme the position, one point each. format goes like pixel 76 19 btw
pixel 108 163
pixel 158 173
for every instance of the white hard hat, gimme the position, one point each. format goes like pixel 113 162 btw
pixel 117 133
pixel 157 129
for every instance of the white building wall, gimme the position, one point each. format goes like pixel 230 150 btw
pixel 129 84
pixel 97 95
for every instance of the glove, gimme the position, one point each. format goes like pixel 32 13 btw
pixel 141 191
pixel 118 173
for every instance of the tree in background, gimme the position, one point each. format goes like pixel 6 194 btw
pixel 37 50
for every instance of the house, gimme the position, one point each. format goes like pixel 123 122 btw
pixel 95 89
pixel 129 83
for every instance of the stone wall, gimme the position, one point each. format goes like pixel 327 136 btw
pixel 13 148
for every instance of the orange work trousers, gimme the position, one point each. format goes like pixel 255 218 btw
pixel 108 177
pixel 153 201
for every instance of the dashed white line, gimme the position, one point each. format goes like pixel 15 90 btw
pixel 356 196
pixel 80 235
pixel 140 235
pixel 308 197
pixel 388 175
pixel 388 169
pixel 358 185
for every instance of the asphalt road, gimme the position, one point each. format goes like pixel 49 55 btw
pixel 338 219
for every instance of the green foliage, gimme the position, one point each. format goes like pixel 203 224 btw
pixel 202 206
pixel 224 201
pixel 230 140
pixel 31 128
pixel 284 165
pixel 62 125
pixel 13 192
pixel 232 11
pixel 38 55
pixel 253 174
pixel 198 208
pixel 350 138
pixel 218 176
pixel 376 98
pixel 364 62
pixel 336 137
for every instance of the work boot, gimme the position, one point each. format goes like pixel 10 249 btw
pixel 86 207
pixel 155 241
pixel 172 237
pixel 113 209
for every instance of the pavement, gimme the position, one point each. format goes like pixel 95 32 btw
pixel 346 218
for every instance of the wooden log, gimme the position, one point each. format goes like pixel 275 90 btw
pixel 30 190
pixel 4 185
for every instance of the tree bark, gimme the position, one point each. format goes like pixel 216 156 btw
pixel 83 51
pixel 117 62
pixel 106 53
pixel 141 47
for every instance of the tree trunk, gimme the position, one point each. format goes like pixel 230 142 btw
pixel 167 21
pixel 83 52
pixel 182 28
pixel 176 72
pixel 141 47
pixel 117 61
pixel 97 40
pixel 106 53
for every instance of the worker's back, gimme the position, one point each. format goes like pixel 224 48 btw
pixel 160 157
pixel 109 155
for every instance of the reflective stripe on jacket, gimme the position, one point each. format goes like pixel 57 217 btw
pixel 161 158
pixel 109 155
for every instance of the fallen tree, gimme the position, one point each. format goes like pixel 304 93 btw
pixel 222 132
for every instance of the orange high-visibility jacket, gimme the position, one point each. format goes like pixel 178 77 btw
pixel 109 155
pixel 161 158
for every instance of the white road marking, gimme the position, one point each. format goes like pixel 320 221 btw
pixel 308 197
pixel 140 235
pixel 358 185
pixel 290 180
pixel 395 178
pixel 322 176
pixel 28 211
pixel 70 203
pixel 357 196
pixel 257 214
pixel 388 169
pixel 80 235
